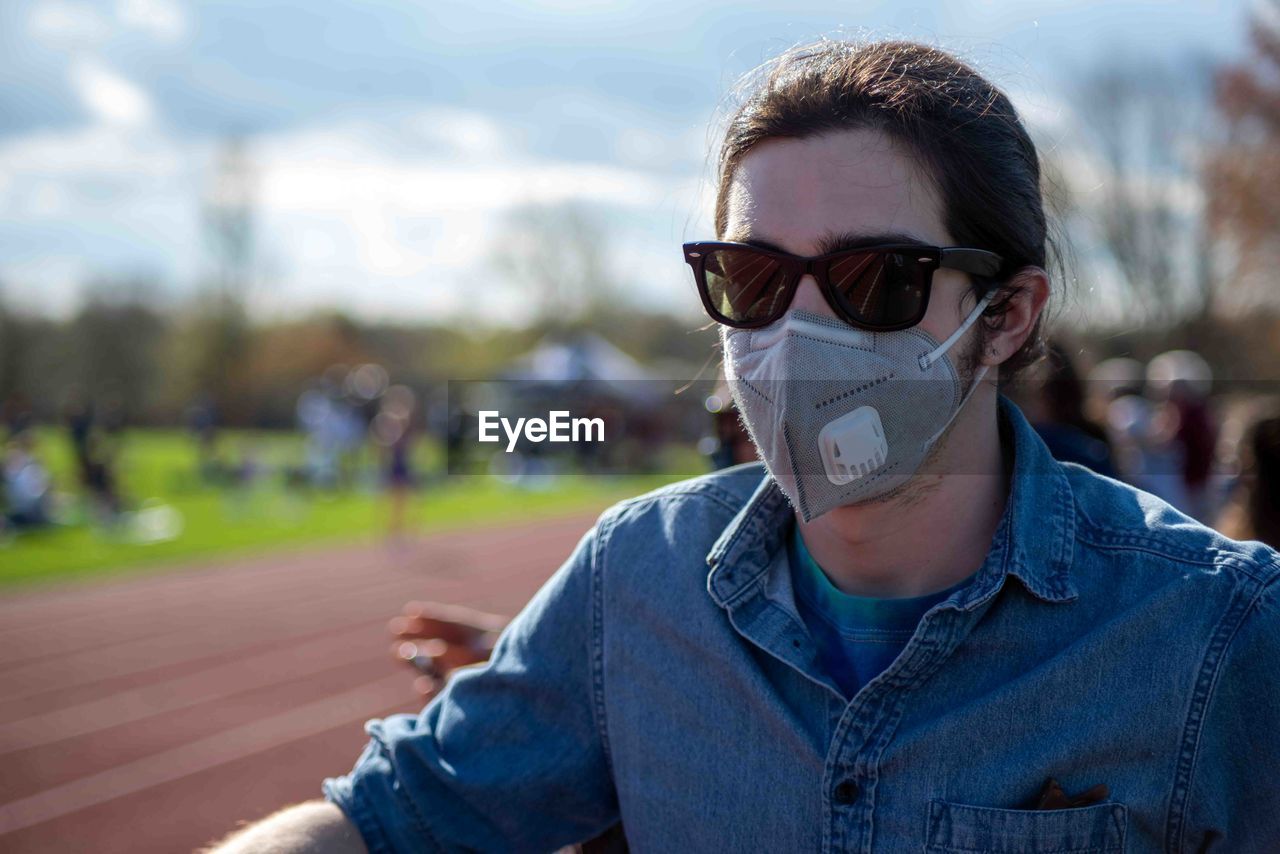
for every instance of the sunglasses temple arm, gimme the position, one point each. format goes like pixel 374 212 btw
pixel 976 262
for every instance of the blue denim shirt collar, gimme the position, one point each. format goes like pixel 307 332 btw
pixel 1034 541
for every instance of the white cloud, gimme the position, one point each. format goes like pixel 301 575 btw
pixel 465 133
pixel 1043 113
pixel 341 209
pixel 109 96
pixel 63 22
pixel 94 151
pixel 380 250
pixel 49 285
pixel 302 183
pixel 162 19
pixel 71 24
pixel 47 200
pixel 372 216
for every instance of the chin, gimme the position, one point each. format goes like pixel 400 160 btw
pixel 905 493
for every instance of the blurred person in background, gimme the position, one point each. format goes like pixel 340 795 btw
pixel 1129 424
pixel 911 628
pixel 334 430
pixel 27 486
pixel 459 423
pixel 1143 451
pixel 1180 382
pixel 94 443
pixel 1252 511
pixel 733 444
pixel 202 423
pixel 392 432
pixel 78 415
pixel 1054 403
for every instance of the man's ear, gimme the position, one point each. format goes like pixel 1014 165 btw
pixel 1024 297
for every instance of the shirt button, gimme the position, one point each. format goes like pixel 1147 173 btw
pixel 846 792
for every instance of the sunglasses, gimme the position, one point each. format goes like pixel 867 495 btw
pixel 881 288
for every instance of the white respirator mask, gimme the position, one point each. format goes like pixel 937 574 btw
pixel 843 415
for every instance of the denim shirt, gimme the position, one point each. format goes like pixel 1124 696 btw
pixel 662 677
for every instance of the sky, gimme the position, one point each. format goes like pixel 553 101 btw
pixel 388 142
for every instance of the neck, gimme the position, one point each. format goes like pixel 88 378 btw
pixel 934 532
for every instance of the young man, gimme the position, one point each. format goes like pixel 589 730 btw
pixel 916 630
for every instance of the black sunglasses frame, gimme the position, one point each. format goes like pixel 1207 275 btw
pixel 978 262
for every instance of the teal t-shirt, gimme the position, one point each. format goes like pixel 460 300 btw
pixel 857 636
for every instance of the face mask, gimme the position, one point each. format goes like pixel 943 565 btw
pixel 842 415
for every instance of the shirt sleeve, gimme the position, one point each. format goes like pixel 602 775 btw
pixel 1234 799
pixel 510 755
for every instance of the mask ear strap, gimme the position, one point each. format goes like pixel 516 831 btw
pixel 927 359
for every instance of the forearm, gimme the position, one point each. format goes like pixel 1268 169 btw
pixel 314 826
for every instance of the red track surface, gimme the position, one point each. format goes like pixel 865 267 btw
pixel 154 714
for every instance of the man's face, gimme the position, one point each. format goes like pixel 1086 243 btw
pixel 796 193
pixel 792 193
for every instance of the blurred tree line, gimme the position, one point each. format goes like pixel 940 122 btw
pixel 1170 176
pixel 124 347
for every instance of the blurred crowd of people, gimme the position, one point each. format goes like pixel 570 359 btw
pixel 1158 427
pixel 28 493
pixel 344 410
pixel 28 499
pixel 357 429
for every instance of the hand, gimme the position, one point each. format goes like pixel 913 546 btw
pixel 437 639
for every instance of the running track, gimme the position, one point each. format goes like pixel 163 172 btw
pixel 153 714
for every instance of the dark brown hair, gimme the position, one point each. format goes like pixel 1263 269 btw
pixel 1252 511
pixel 964 130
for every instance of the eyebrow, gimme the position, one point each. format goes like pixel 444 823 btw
pixel 831 242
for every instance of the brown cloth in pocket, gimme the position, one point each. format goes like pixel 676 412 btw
pixel 1052 797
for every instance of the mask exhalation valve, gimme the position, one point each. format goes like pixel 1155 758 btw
pixel 853 445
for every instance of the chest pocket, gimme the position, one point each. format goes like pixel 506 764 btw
pixel 1095 829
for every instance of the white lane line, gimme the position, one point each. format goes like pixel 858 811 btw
pixel 239 742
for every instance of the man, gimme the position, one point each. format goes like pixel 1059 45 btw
pixel 917 631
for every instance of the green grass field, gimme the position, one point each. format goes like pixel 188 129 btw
pixel 159 468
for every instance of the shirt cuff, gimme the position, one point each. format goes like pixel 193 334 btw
pixel 371 793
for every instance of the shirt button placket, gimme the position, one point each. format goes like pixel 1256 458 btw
pixel 865 728
pixel 846 792
pixel 848 813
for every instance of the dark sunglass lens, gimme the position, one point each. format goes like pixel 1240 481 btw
pixel 744 286
pixel 880 288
